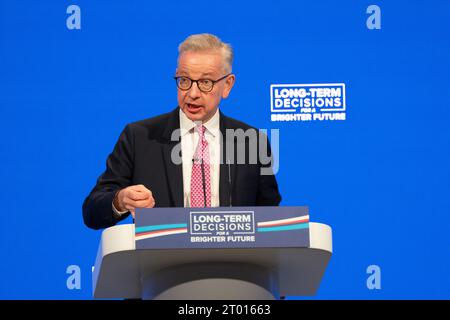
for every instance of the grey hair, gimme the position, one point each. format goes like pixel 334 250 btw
pixel 208 42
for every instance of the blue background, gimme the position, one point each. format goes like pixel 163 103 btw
pixel 381 178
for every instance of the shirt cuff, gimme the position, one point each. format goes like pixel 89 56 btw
pixel 118 214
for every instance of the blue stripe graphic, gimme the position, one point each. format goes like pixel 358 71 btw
pixel 160 227
pixel 285 228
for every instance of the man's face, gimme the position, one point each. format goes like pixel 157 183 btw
pixel 198 105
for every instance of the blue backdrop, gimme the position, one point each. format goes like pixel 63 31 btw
pixel 381 178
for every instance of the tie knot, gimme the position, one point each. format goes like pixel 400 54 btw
pixel 200 129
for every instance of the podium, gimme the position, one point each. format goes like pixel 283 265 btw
pixel 227 272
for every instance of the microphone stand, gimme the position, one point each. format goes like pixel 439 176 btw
pixel 203 181
pixel 229 182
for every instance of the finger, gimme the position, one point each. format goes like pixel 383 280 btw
pixel 138 203
pixel 150 204
pixel 140 195
pixel 136 196
pixel 130 208
pixel 140 188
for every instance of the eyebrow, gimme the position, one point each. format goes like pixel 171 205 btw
pixel 206 74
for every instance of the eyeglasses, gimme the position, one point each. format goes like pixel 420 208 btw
pixel 205 85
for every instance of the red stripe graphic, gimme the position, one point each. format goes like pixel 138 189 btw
pixel 275 224
pixel 159 231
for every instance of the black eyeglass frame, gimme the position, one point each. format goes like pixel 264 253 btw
pixel 192 82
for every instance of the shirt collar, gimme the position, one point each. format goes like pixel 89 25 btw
pixel 212 125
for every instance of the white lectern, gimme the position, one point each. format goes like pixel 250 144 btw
pixel 121 271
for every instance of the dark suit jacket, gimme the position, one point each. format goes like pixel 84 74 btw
pixel 142 155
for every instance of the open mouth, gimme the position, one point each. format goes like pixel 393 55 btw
pixel 193 107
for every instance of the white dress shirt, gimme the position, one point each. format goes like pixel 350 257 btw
pixel 189 142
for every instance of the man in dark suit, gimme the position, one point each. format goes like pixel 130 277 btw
pixel 181 158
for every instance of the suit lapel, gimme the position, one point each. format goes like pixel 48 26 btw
pixel 174 171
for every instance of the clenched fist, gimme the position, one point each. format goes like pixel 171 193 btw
pixel 133 197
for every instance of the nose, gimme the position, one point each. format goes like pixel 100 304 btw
pixel 194 91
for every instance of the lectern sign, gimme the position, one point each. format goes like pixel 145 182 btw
pixel 223 227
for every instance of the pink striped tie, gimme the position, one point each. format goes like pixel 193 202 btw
pixel 200 178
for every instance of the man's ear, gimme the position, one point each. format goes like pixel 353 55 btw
pixel 229 83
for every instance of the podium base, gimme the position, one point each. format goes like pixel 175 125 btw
pixel 210 281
